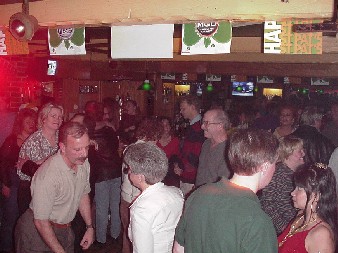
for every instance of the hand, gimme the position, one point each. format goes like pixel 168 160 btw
pixel 178 171
pixel 87 239
pixel 6 191
pixel 21 162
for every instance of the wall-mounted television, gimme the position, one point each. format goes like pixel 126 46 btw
pixel 52 67
pixel 243 89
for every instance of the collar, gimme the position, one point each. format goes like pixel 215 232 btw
pixel 147 191
pixel 197 118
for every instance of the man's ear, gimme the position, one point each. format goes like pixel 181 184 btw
pixel 263 168
pixel 142 178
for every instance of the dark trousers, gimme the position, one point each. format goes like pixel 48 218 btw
pixel 9 217
pixel 24 196
pixel 28 239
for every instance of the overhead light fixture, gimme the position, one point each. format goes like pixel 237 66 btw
pixel 22 25
pixel 210 87
pixel 146 83
pixel 145 86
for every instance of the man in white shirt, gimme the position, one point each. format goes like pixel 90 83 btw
pixel 155 213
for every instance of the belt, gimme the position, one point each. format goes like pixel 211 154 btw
pixel 57 225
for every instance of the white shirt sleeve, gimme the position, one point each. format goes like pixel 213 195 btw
pixel 140 231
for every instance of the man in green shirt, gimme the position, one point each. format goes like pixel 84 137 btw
pixel 226 216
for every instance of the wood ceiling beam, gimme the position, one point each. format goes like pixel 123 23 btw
pixel 105 13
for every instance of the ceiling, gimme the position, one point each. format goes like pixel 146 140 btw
pixel 4 2
pixel 247 27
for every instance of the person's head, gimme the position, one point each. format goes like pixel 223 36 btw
pixel 166 123
pixel 78 117
pixel 315 193
pixel 215 122
pixel 190 106
pixel 25 122
pixel 147 164
pixel 291 151
pixel 130 107
pixel 50 116
pixel 253 151
pixel 94 110
pixel 150 129
pixel 74 143
pixel 287 116
pixel 311 116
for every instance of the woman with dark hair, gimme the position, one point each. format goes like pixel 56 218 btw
pixel 315 228
pixel 287 120
pixel 24 125
pixel 129 122
pixel 170 145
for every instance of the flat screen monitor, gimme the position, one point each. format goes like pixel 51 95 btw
pixel 243 89
pixel 52 66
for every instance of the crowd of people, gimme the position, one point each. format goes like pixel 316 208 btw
pixel 240 180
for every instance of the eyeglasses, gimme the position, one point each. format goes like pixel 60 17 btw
pixel 206 123
pixel 126 168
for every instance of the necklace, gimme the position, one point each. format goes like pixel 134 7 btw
pixel 294 230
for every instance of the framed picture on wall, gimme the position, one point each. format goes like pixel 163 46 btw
pixel 320 81
pixel 264 79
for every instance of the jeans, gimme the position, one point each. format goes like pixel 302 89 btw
pixel 107 198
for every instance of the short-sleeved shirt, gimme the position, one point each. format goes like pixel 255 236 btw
pixel 36 148
pixel 57 190
pixel 212 165
pixel 223 217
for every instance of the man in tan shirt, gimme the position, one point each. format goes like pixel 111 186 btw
pixel 59 188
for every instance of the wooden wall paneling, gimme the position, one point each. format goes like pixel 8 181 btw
pixel 130 88
pixel 110 89
pixel 70 100
pixel 85 97
pixel 166 103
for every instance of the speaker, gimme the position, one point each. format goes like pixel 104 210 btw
pixel 23 26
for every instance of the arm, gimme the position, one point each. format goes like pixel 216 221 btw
pixel 45 230
pixel 178 248
pixel 85 211
pixel 141 234
pixel 320 239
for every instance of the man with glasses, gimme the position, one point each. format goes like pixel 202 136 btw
pixel 212 165
pixel 193 140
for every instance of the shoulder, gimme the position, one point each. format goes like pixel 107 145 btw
pixel 159 197
pixel 319 238
pixel 33 138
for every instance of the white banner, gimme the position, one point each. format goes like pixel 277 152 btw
pixel 142 41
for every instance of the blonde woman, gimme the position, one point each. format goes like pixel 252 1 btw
pixel 37 148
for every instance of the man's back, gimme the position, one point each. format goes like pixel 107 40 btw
pixel 222 217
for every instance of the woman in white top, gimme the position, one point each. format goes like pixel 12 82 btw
pixel 156 211
pixel 149 130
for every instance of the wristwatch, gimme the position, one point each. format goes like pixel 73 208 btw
pixel 90 226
